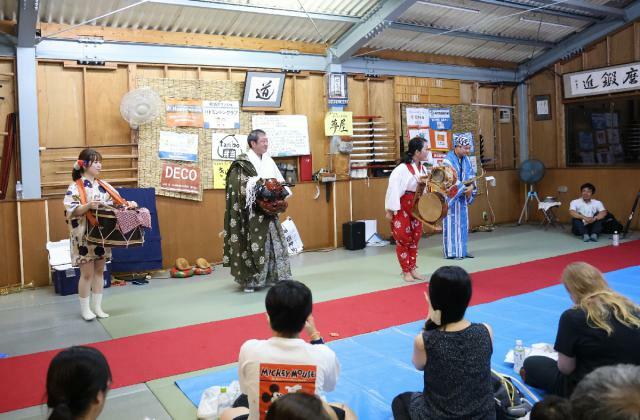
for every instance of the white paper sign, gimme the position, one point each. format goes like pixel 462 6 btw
pixel 178 146
pixel 221 114
pixel 266 89
pixel 227 146
pixel 600 81
pixel 288 134
pixel 420 132
pixel 418 117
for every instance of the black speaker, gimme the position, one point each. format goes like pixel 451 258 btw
pixel 353 235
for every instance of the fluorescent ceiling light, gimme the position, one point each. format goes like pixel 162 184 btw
pixel 446 6
pixel 558 25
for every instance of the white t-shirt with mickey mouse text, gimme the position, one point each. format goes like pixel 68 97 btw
pixel 283 351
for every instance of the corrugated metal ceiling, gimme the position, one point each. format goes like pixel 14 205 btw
pixel 483 18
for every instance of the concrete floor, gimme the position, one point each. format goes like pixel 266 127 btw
pixel 38 320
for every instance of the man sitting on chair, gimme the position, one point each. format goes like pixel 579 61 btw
pixel 587 214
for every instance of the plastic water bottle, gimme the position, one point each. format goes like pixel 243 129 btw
pixel 616 238
pixel 18 190
pixel 518 356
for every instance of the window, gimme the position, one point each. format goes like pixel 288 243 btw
pixel 603 133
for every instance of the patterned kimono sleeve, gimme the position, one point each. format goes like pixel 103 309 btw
pixel 71 201
pixel 469 170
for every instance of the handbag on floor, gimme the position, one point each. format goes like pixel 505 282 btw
pixel 510 401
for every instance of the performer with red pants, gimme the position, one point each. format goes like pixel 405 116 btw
pixel 406 229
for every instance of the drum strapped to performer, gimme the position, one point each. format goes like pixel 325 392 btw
pixel 429 206
pixel 102 224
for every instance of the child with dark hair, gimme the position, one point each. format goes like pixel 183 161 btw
pixel 551 407
pixel 85 195
pixel 455 355
pixel 289 305
pixel 77 382
pixel 302 406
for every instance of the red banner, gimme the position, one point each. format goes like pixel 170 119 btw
pixel 180 178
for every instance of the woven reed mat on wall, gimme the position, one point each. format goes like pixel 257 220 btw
pixel 150 165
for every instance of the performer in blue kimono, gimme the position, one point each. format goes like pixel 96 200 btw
pixel 455 227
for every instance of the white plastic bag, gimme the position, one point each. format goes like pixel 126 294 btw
pixel 216 399
pixel 291 235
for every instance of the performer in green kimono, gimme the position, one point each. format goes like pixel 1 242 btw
pixel 254 245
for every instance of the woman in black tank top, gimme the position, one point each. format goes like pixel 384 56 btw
pixel 454 354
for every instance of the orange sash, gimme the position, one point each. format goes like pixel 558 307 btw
pixel 113 193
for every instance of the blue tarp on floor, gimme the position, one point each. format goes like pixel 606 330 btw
pixel 376 367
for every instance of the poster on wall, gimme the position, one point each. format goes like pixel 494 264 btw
pixel 184 113
pixel 178 146
pixel 436 158
pixel 601 137
pixel 440 118
pixel 417 117
pixel 221 114
pixel 338 123
pixel 613 135
pixel 421 132
pixel 288 134
pixel 180 178
pixel 220 169
pixel 441 140
pixel 227 146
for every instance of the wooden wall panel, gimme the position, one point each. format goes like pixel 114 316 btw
pixel 596 56
pixel 467 93
pixel 368 202
pixel 150 72
pixel 505 198
pixel 573 65
pixel 542 140
pixel 486 126
pixel 358 97
pixel 620 51
pixel 343 207
pixel 182 73
pixel 190 229
pixel 104 91
pixel 58 228
pixel 60 105
pixel 313 217
pixel 508 136
pixel 608 189
pixel 34 240
pixel 310 101
pixel 10 261
pixel 214 74
pixel 381 103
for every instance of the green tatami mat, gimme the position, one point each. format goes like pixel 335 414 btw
pixel 170 303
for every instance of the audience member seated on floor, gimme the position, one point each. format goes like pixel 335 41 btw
pixel 587 214
pixel 303 406
pixel 551 407
pixel 454 354
pixel 601 329
pixel 263 365
pixel 77 382
pixel 610 392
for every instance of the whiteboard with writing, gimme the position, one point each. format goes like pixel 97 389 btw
pixel 288 134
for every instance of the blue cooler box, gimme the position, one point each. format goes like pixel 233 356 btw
pixel 65 282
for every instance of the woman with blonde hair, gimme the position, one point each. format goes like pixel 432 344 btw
pixel 601 329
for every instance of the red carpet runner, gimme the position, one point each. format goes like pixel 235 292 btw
pixel 144 357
